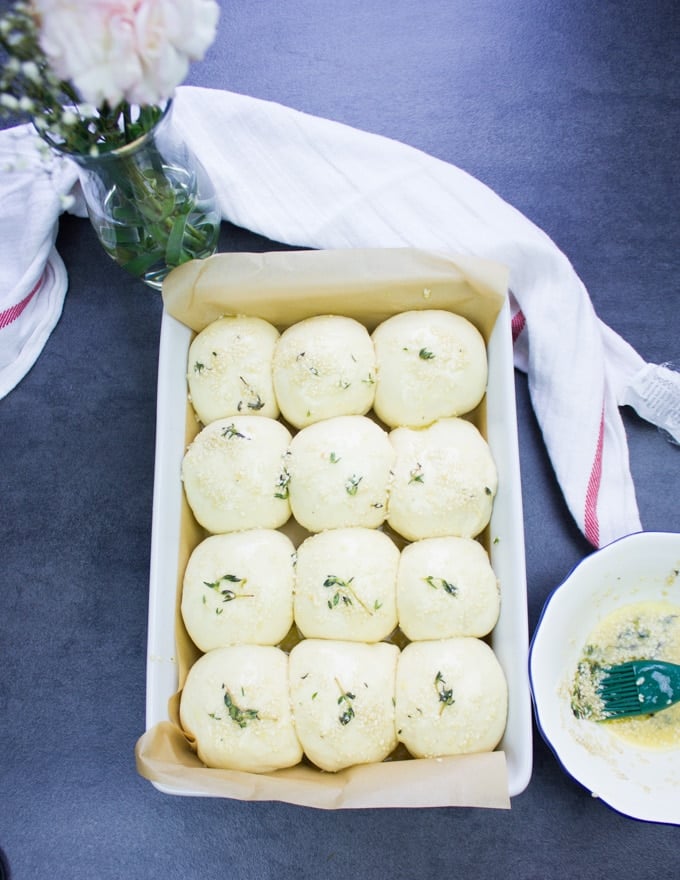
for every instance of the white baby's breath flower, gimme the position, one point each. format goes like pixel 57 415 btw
pixel 68 117
pixel 86 110
pixel 26 105
pixel 9 102
pixel 30 71
pixel 134 50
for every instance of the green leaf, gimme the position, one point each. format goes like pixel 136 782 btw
pixel 126 213
pixel 120 235
pixel 173 250
pixel 144 261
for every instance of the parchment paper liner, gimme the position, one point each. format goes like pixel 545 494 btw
pixel 285 287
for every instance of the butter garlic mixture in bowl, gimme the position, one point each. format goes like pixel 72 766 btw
pixel 620 603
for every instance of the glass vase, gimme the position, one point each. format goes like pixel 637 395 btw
pixel 151 203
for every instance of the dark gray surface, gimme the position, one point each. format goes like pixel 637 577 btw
pixel 570 111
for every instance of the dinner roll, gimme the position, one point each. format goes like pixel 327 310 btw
pixel 324 366
pixel 451 698
pixel 229 369
pixel 238 589
pixel 343 701
pixel 236 705
pixel 346 585
pixel 340 471
pixel 445 588
pixel 445 481
pixel 431 364
pixel 234 474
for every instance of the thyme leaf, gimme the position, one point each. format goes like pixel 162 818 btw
pixel 425 354
pixel 231 431
pixel 345 702
pixel 352 484
pixel 283 485
pixel 444 694
pixel 237 714
pixel 200 367
pixel 437 583
pixel 417 475
pixel 344 593
pixel 227 594
pixel 255 403
pixel 312 369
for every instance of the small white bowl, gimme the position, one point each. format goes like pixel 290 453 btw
pixel 638 782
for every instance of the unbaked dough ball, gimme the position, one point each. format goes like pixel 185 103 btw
pixel 236 705
pixel 323 367
pixel 238 589
pixel 234 474
pixel 446 587
pixel 346 585
pixel 445 481
pixel 431 364
pixel 451 698
pixel 229 369
pixel 343 701
pixel 340 471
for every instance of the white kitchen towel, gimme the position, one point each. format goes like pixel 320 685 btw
pixel 32 275
pixel 312 182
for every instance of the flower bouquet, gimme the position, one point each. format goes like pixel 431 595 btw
pixel 96 77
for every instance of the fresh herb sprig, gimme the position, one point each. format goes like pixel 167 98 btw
pixel 440 583
pixel 227 594
pixel 444 693
pixel 345 594
pixel 352 484
pixel 254 402
pixel 231 432
pixel 237 714
pixel 283 485
pixel 345 701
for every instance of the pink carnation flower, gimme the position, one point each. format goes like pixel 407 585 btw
pixel 133 50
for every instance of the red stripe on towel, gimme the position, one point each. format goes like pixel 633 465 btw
pixel 517 324
pixel 8 316
pixel 591 522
